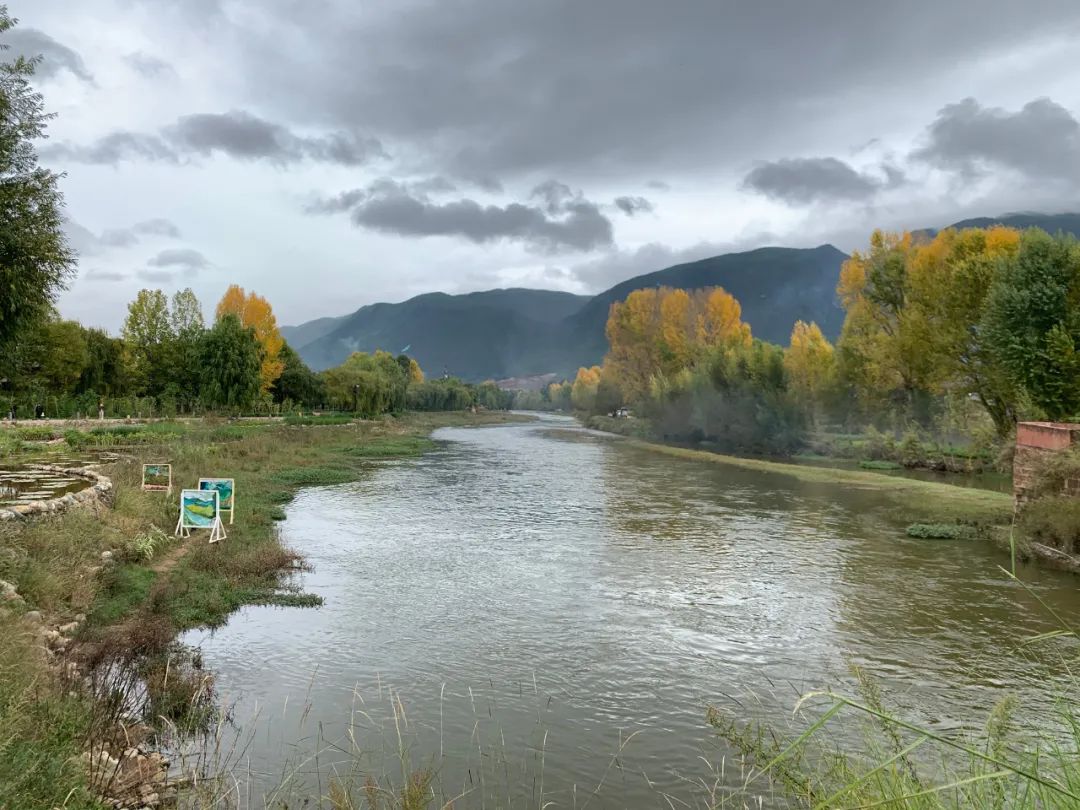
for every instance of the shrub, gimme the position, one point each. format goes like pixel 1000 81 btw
pixel 1053 521
pixel 940 531
pixel 880 464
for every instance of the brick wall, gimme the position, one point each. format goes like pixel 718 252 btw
pixel 1035 441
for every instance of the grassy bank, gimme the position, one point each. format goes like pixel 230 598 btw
pixel 155 585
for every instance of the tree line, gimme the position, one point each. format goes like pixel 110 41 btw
pixel 968 329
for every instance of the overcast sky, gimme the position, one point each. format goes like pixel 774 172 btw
pixel 333 153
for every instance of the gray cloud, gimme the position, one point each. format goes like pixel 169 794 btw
pixel 659 185
pixel 634 205
pixel 55 57
pixel 87 243
pixel 1040 141
pixel 125 237
pixel 490 88
pixel 148 65
pixel 97 276
pixel 237 134
pixel 806 180
pixel 184 259
pixel 565 220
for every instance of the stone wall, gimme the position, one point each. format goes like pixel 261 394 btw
pixel 99 491
pixel 1035 442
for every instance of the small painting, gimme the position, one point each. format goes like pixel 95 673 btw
pixel 224 487
pixel 198 508
pixel 157 477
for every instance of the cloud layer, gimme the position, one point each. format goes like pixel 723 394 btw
pixel 236 134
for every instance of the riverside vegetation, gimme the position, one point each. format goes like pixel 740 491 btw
pixel 156 585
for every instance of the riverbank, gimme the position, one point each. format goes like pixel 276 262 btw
pixel 120 586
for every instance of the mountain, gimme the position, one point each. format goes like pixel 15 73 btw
pixel 514 333
pixel 517 333
pixel 776 287
pixel 1051 223
pixel 484 335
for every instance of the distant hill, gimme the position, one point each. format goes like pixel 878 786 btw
pixel 485 335
pixel 516 333
pixel 776 287
pixel 1051 223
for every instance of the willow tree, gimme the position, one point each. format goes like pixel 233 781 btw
pixel 36 262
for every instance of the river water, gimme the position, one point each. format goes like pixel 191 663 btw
pixel 528 601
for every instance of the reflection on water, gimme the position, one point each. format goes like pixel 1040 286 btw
pixel 533 598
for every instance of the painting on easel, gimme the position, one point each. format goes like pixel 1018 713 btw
pixel 199 509
pixel 157 477
pixel 226 490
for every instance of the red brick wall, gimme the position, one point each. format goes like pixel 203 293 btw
pixel 1035 441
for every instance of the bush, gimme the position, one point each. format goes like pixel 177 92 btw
pixel 880 464
pixel 322 419
pixel 940 531
pixel 1053 521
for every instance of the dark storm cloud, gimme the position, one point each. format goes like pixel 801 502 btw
pixel 184 259
pixel 489 88
pixel 55 57
pixel 564 219
pixel 1040 141
pixel 805 180
pixel 634 205
pixel 237 134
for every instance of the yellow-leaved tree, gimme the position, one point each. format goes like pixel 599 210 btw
pixel 811 365
pixel 583 393
pixel 255 312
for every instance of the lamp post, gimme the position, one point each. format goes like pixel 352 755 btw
pixel 355 396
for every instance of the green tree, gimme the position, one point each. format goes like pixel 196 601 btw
pixel 103 373
pixel 298 383
pixel 1032 321
pixel 35 260
pixel 147 337
pixel 186 327
pixel 231 362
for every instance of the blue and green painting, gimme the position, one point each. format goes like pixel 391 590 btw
pixel 198 508
pixel 224 487
pixel 156 476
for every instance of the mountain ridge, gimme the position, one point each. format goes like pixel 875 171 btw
pixel 521 332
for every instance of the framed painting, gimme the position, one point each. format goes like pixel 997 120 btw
pixel 157 477
pixel 226 490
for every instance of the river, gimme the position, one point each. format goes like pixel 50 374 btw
pixel 525 602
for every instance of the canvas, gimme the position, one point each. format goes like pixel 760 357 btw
pixel 198 508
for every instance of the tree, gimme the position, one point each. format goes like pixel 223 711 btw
pixel 36 262
pixel 583 392
pixel 103 373
pixel 230 364
pixel 1032 321
pixel 949 279
pixel 147 335
pixel 370 384
pixel 187 329
pixel 297 382
pixel 255 311
pixel 811 365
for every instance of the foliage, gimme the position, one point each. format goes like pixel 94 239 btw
pixel 811 366
pixel 36 262
pixel 298 384
pixel 255 312
pixel 230 361
pixel 940 531
pixel 1032 322
pixel 1053 521
pixel 583 392
pixel 367 384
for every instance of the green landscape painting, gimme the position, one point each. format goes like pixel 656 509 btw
pixel 224 487
pixel 198 508
pixel 156 476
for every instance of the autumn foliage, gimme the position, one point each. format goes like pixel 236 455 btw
pixel 255 312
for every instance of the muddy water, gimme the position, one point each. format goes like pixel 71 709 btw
pixel 526 602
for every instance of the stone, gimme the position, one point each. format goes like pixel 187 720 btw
pixel 80 617
pixel 106 557
pixel 69 629
pixel 32 616
pixel 8 593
